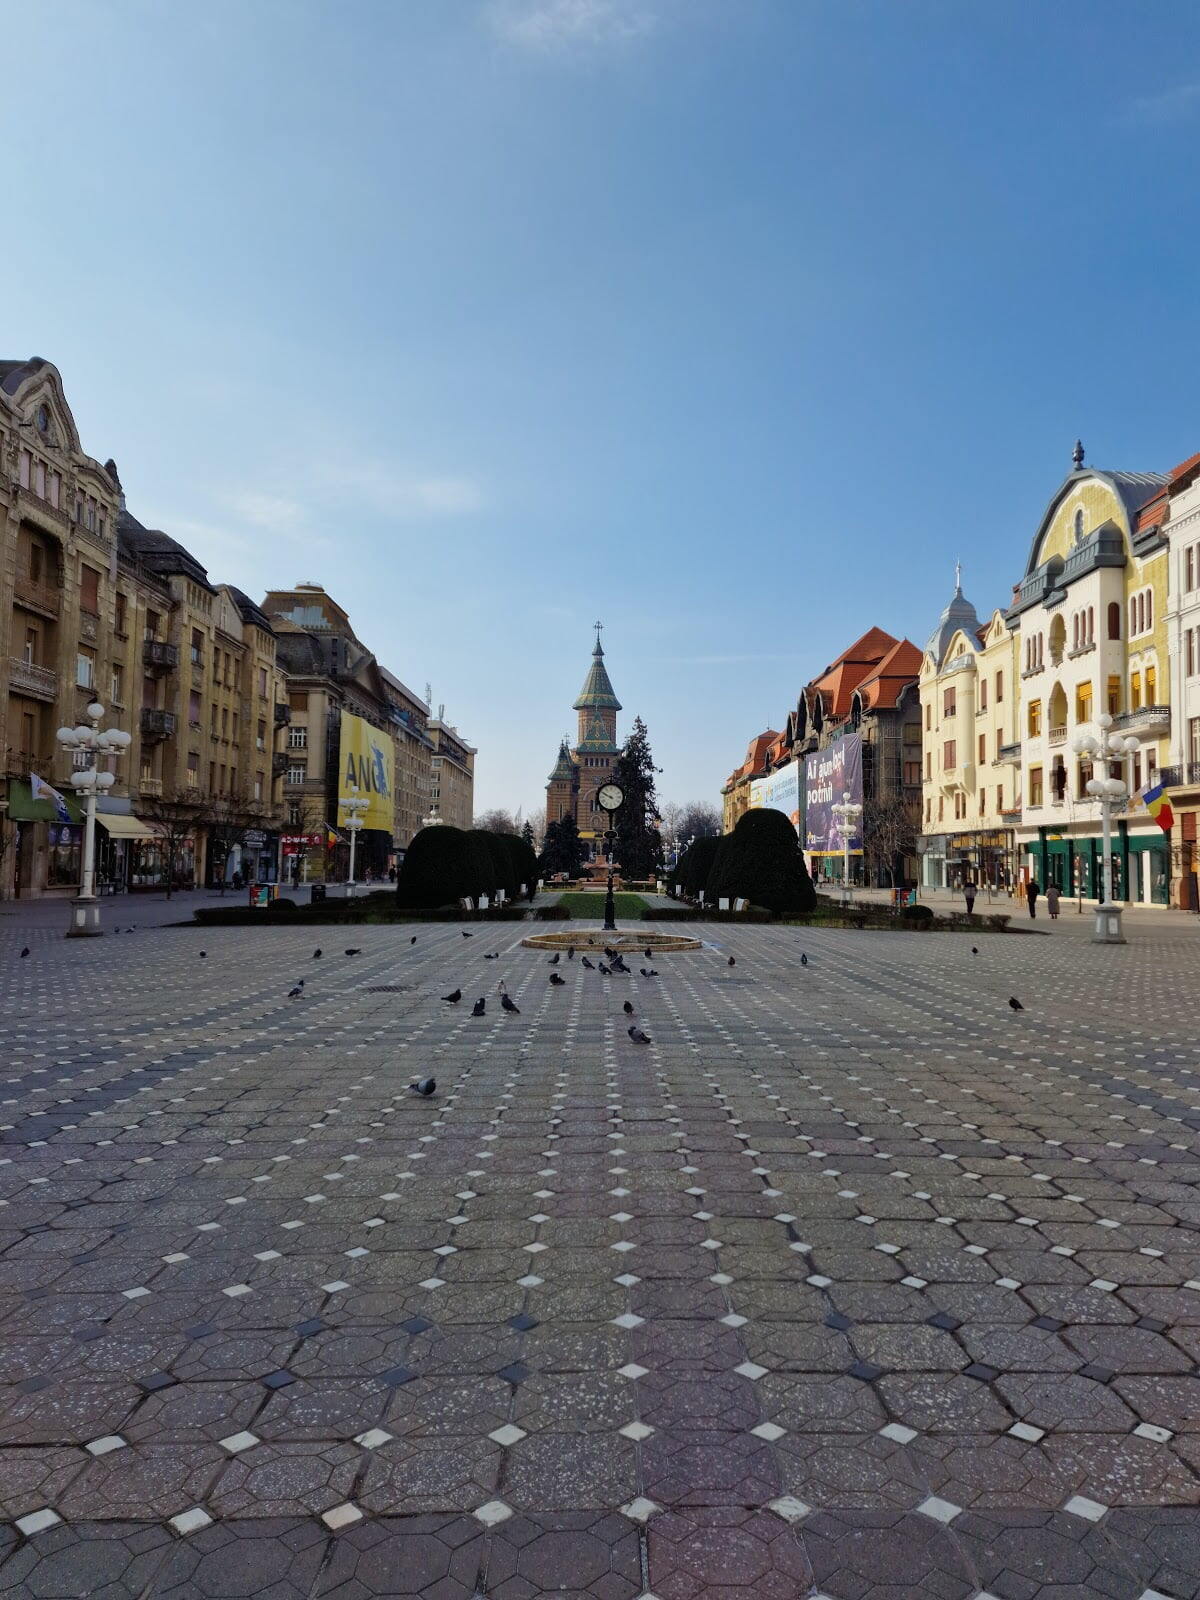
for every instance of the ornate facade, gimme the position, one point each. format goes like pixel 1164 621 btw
pixel 580 771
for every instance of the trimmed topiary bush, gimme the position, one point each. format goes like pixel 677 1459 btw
pixel 503 866
pixel 437 869
pixel 696 867
pixel 761 861
pixel 916 913
pixel 481 873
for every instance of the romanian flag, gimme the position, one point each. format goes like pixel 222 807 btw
pixel 1159 807
pixel 332 840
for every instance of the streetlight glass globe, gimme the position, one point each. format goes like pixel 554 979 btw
pixel 65 735
pixel 105 780
pixel 1095 786
pixel 82 780
pixel 1132 744
pixel 83 734
pixel 95 710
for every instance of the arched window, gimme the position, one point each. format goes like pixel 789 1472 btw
pixel 1078 526
pixel 1149 608
pixel 1114 619
pixel 1091 625
pixel 1075 631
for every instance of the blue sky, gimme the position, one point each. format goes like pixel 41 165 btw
pixel 731 322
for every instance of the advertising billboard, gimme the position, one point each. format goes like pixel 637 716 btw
pixel 365 764
pixel 780 791
pixel 828 774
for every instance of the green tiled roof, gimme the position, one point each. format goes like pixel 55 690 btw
pixel 564 767
pixel 597 691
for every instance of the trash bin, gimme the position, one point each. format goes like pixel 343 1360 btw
pixel 318 892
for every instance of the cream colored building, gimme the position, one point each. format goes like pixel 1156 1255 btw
pixel 970 792
pixel 413 759
pixel 452 789
pixel 1089 620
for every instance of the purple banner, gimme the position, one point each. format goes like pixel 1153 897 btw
pixel 828 774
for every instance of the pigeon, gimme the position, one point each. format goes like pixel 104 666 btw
pixel 638 1037
pixel 1014 1003
pixel 648 972
pixel 204 955
pixel 649 954
pixel 974 949
pixel 468 935
pixel 317 953
pixel 354 952
pixel 556 981
pixel 803 959
pixel 553 961
pixel 295 993
pixel 588 964
pixel 480 1006
pixel 494 957
pixel 24 952
pixel 507 1005
pixel 604 971
pixel 424 1087
pixel 413 940
pixel 732 962
pixel 453 999
pixel 628 1008
pixel 571 953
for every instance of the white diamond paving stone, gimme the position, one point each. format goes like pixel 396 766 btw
pixel 640 1509
pixel 37 1521
pixel 790 1509
pixel 940 1510
pixel 1080 1506
pixel 493 1512
pixel 341 1516
pixel 190 1521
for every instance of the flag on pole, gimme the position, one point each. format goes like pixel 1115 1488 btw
pixel 39 789
pixel 332 839
pixel 1159 807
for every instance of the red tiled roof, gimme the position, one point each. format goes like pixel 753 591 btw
pixel 841 677
pixel 1184 469
pixel 901 666
pixel 1153 512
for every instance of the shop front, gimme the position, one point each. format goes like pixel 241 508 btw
pixel 46 847
pixel 1141 865
pixel 118 836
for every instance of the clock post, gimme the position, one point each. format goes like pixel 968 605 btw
pixel 610 800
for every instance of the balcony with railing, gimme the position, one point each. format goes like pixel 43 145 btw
pixel 1185 776
pixel 157 724
pixel 1056 736
pixel 280 762
pixel 151 787
pixel 25 677
pixel 1145 719
pixel 283 715
pixel 158 655
pixel 36 595
pixel 1008 755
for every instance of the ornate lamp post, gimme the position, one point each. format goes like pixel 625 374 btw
pixel 610 800
pixel 1112 793
pixel 355 804
pixel 845 820
pixel 89 781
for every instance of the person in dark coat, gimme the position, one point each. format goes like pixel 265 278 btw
pixel 969 894
pixel 1032 889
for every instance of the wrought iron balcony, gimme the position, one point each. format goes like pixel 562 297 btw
pixel 157 724
pixel 1146 719
pixel 280 762
pixel 158 653
pixel 1008 755
pixel 1180 777
pixel 34 595
pixel 26 678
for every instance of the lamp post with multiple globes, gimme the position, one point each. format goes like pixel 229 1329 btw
pixel 845 819
pixel 1107 749
pixel 355 804
pixel 88 782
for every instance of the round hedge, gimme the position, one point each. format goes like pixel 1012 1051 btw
pixel 437 869
pixel 761 861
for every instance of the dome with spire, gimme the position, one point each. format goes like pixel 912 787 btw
pixel 597 692
pixel 958 614
pixel 564 767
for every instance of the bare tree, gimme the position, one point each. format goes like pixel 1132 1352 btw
pixel 889 834
pixel 697 820
pixel 176 817
pixel 537 826
pixel 231 817
pixel 496 821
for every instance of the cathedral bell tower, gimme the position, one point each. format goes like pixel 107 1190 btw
pixel 579 773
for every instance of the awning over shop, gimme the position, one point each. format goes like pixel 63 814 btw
pixel 119 825
pixel 22 807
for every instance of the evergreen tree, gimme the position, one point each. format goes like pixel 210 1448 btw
pixel 562 850
pixel 527 834
pixel 638 844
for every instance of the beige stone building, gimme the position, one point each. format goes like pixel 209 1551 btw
pixel 96 607
pixel 452 787
pixel 414 751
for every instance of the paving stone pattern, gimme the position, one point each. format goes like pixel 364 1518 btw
pixel 853 1283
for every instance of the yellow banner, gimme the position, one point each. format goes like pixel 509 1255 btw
pixel 365 754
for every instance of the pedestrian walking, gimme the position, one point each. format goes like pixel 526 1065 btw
pixel 969 896
pixel 1052 902
pixel 1032 889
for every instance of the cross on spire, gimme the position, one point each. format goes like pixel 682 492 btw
pixel 597 626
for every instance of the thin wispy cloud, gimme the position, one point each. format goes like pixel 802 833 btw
pixel 557 25
pixel 1176 104
pixel 398 491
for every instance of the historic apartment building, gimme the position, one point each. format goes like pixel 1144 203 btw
pixel 452 791
pixel 580 771
pixel 971 781
pixel 1182 774
pixel 98 608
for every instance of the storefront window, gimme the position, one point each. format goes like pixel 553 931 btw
pixel 63 855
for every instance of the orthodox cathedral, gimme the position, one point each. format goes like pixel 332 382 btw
pixel 580 771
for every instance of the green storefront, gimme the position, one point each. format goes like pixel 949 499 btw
pixel 1140 865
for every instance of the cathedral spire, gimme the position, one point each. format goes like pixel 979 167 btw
pixel 597 692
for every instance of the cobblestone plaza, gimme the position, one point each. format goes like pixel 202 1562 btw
pixel 854 1282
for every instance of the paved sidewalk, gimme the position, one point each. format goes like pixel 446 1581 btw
pixel 854 1282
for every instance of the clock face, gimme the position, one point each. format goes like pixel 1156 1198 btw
pixel 610 797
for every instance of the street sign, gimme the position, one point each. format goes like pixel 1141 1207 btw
pixel 254 839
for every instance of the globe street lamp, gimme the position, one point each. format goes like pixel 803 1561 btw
pixel 1112 793
pixel 89 781
pixel 845 821
pixel 355 804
